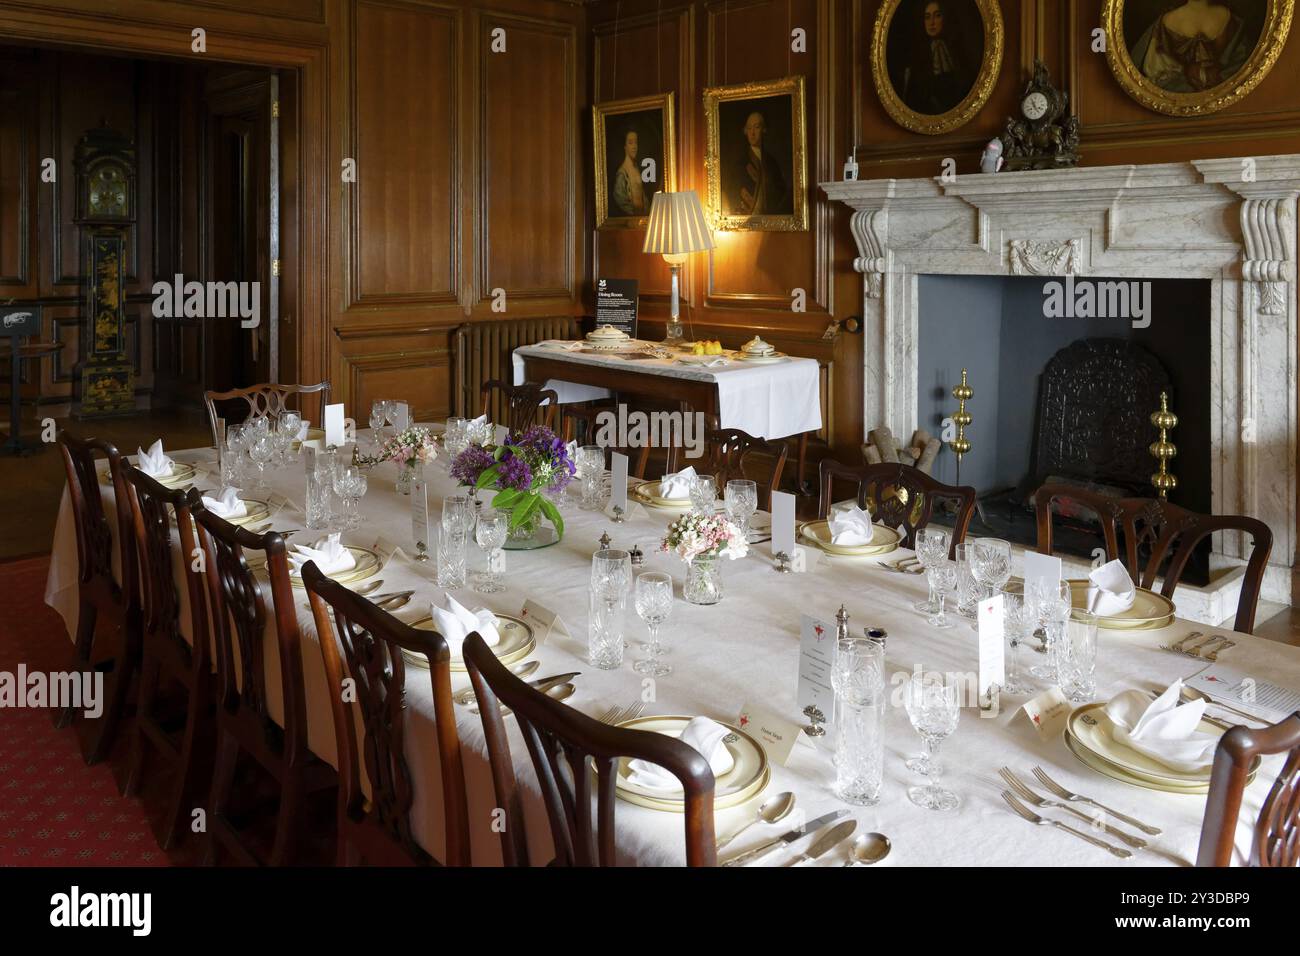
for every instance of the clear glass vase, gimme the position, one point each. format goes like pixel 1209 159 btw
pixel 703 581
pixel 405 476
pixel 527 530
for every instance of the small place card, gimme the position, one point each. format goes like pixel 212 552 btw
pixel 1041 567
pixel 816 658
pixel 782 523
pixel 1048 712
pixel 543 621
pixel 777 735
pixel 334 425
pixel 992 646
pixel 401 416
pixel 618 480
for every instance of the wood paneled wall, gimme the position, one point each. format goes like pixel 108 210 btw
pixel 468 190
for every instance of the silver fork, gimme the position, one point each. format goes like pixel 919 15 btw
pixel 1028 795
pixel 1214 654
pixel 1216 639
pixel 1192 650
pixel 1053 787
pixel 1022 810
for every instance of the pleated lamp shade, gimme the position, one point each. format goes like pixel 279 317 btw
pixel 677 225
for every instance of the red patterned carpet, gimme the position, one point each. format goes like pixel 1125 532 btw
pixel 54 810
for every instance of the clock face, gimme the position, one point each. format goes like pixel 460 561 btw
pixel 1034 106
pixel 108 192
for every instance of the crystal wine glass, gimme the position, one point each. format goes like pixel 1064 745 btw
pixel 654 602
pixel 704 494
pixel 990 564
pixel 741 499
pixel 455 437
pixel 490 532
pixel 1052 601
pixel 377 409
pixel 287 429
pixel 261 451
pixel 931 548
pixel 350 485
pixel 943 580
pixel 933 706
pixel 1017 623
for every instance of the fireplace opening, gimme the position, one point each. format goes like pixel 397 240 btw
pixel 1066 372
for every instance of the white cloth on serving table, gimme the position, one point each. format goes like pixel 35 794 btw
pixel 226 504
pixel 750 653
pixel 678 484
pixel 154 462
pixel 455 622
pixel 329 553
pixel 1111 590
pixel 703 734
pixel 850 526
pixel 769 401
pixel 1164 729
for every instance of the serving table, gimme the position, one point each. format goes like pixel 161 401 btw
pixel 745 651
pixel 768 400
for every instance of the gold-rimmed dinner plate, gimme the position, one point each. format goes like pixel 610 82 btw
pixel 648 493
pixel 883 540
pixel 181 474
pixel 1092 730
pixel 767 358
pixel 255 511
pixel 1150 611
pixel 517 642
pixel 748 775
pixel 367 564
pixel 1115 772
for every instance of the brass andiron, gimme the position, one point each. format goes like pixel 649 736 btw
pixel 1164 449
pixel 962 419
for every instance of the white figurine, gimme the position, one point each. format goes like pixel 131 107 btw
pixel 991 161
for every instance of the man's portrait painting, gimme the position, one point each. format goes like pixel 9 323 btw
pixel 634 150
pixel 1193 56
pixel 935 61
pixel 756 157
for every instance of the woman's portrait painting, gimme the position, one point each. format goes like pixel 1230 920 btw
pixel 633 158
pixel 935 60
pixel 1193 56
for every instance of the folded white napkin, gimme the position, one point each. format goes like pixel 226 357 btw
pixel 850 526
pixel 1163 729
pixel 226 504
pixel 705 736
pixel 154 462
pixel 1112 590
pixel 329 553
pixel 456 622
pixel 677 485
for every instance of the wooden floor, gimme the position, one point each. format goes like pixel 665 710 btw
pixel 32 486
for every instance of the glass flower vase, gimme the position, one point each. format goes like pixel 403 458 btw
pixel 703 581
pixel 405 477
pixel 527 530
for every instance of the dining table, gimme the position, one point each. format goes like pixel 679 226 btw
pixel 740 653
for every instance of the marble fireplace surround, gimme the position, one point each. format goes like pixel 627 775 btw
pixel 1232 221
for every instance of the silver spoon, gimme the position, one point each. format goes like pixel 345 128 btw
pixel 869 848
pixel 466 695
pixel 772 811
pixel 369 587
pixel 1195 693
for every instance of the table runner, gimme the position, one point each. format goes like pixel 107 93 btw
pixel 746 650
pixel 767 401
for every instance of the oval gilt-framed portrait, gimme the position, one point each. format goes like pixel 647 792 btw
pixel 1193 57
pixel 934 62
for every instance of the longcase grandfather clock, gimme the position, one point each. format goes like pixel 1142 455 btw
pixel 104 161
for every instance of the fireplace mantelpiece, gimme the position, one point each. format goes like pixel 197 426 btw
pixel 1232 221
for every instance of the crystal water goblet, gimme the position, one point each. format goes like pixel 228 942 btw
pixel 990 564
pixel 377 418
pixel 933 705
pixel 350 485
pixel 1017 612
pixel 591 465
pixel 741 499
pixel 1076 656
pixel 704 494
pixel 490 532
pixel 1052 601
pixel 931 548
pixel 654 603
pixel 968 589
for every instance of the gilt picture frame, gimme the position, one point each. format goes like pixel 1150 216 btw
pixel 635 150
pixel 1193 59
pixel 756 156
pixel 935 62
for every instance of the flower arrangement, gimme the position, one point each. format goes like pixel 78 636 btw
pixel 705 536
pixel 411 447
pixel 522 471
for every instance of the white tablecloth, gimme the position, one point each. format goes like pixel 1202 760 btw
pixel 745 649
pixel 768 401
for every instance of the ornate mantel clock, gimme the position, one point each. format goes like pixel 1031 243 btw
pixel 1044 136
pixel 104 161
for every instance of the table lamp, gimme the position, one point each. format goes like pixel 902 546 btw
pixel 677 228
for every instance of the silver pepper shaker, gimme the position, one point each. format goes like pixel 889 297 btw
pixel 841 624
pixel 604 541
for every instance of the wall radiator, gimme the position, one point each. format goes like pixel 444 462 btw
pixel 483 353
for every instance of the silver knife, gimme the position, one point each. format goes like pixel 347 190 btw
pixel 790 837
pixel 828 838
pixel 542 684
